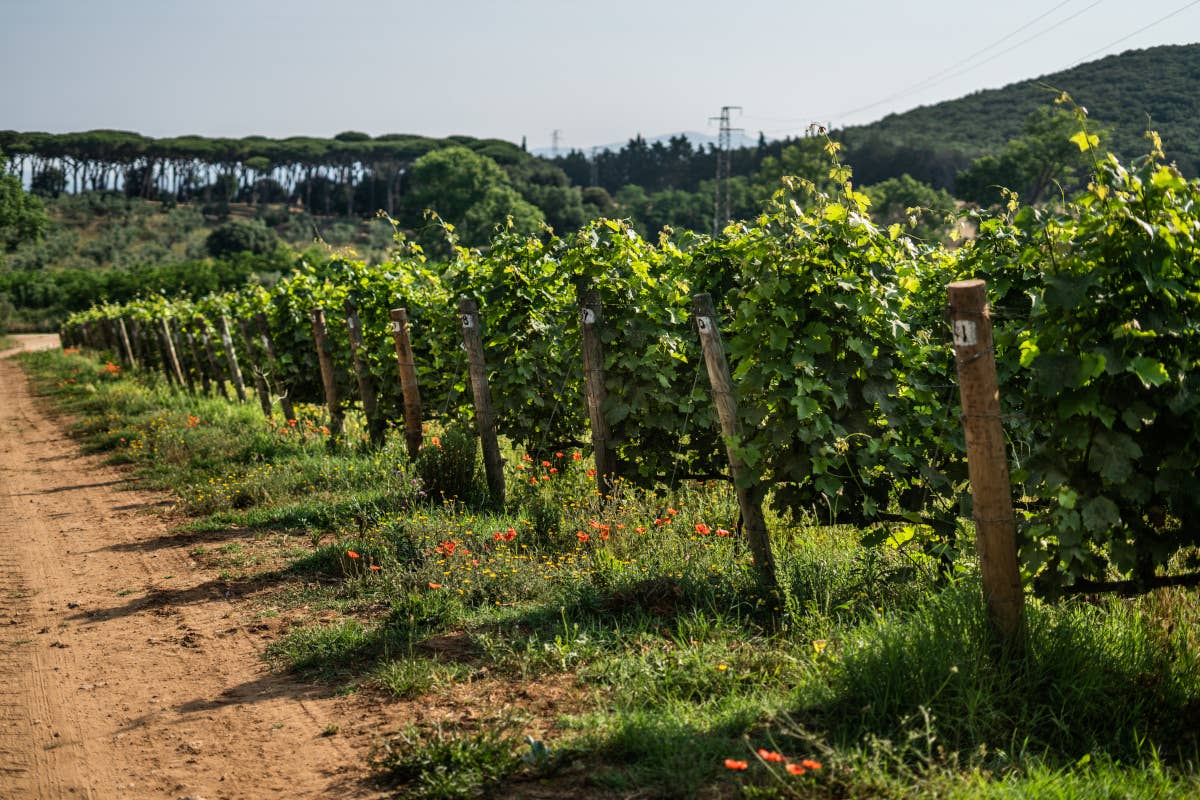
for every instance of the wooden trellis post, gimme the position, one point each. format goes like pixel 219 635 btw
pixel 126 346
pixel 211 355
pixel 264 334
pixel 171 361
pixel 194 348
pixel 181 355
pixel 408 381
pixel 591 318
pixel 485 416
pixel 256 369
pixel 231 358
pixel 987 461
pixel 754 524
pixel 337 419
pixel 362 373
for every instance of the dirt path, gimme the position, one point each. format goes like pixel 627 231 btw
pixel 125 669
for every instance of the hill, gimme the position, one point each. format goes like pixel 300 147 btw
pixel 1156 88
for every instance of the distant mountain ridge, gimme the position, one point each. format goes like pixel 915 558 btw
pixel 1156 88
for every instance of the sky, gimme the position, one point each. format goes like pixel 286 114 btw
pixel 597 72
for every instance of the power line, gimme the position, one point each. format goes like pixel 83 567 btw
pixel 1142 29
pixel 921 83
pixel 930 83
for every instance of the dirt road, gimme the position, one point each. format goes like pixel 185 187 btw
pixel 126 671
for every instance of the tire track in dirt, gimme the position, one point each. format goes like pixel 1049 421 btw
pixel 126 671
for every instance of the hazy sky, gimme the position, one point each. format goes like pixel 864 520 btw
pixel 599 72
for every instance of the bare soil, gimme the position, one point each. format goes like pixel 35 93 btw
pixel 128 670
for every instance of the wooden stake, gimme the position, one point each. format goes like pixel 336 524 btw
pixel 485 417
pixel 231 358
pixel 362 372
pixel 337 419
pixel 987 462
pixel 126 347
pixel 260 383
pixel 264 334
pixel 749 497
pixel 211 354
pixel 408 381
pixel 194 349
pixel 181 356
pixel 135 336
pixel 596 392
pixel 171 362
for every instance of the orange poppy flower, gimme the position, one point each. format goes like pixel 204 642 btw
pixel 795 769
pixel 771 755
pixel 733 763
pixel 352 554
pixel 808 763
pixel 702 529
pixel 583 537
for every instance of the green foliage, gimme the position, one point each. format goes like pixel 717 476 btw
pixel 447 764
pixel 448 465
pixel 22 217
pixel 926 213
pixel 1047 157
pixel 240 236
pixel 471 192
pixel 1106 364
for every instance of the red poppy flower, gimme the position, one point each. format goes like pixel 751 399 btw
pixel 770 755
pixel 702 529
pixel 375 568
pixel 583 537
pixel 795 769
pixel 576 456
pixel 722 532
pixel 733 763
pixel 352 554
pixel 808 763
pixel 558 455
pixel 433 585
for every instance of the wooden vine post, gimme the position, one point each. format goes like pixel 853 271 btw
pixel 194 347
pixel 126 346
pixel 485 417
pixel 181 356
pixel 337 420
pixel 135 337
pixel 264 336
pixel 749 498
pixel 408 381
pixel 171 361
pixel 596 392
pixel 987 462
pixel 362 373
pixel 231 358
pixel 256 369
pixel 211 355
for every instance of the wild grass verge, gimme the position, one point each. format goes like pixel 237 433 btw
pixel 622 648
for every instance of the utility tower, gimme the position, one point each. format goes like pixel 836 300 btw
pixel 595 165
pixel 721 199
pixel 555 136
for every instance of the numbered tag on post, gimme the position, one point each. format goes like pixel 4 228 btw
pixel 395 326
pixel 704 325
pixel 468 322
pixel 965 333
pixel 589 317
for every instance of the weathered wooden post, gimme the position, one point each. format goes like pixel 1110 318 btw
pixel 256 369
pixel 264 334
pixel 987 461
pixel 171 361
pixel 211 356
pixel 181 355
pixel 596 392
pixel 126 345
pixel 135 337
pixel 408 381
pixel 194 349
pixel 485 417
pixel 337 419
pixel 749 498
pixel 231 358
pixel 362 373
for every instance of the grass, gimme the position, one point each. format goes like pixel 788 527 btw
pixel 625 649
